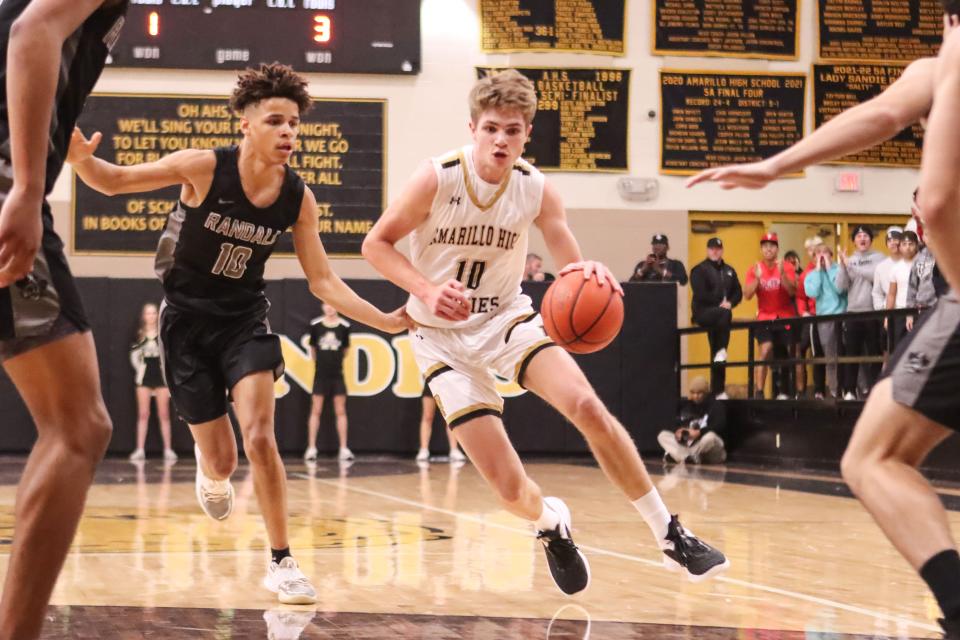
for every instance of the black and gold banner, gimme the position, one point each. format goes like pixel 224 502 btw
pixel 582 119
pixel 837 87
pixel 340 156
pixel 582 26
pixel 714 118
pixel 901 30
pixel 744 29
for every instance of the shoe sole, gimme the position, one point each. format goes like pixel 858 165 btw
pixel 674 567
pixel 563 511
pixel 285 599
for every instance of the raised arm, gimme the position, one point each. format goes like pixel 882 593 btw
pixel 900 105
pixel 446 300
pixel 327 285
pixel 563 246
pixel 33 67
pixel 192 168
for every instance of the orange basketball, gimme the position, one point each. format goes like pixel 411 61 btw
pixel 580 315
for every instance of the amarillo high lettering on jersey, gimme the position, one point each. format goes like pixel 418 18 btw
pixel 477 233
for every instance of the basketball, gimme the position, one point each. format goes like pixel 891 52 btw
pixel 580 315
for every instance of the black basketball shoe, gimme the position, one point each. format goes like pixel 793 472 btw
pixel 692 555
pixel 951 629
pixel 569 567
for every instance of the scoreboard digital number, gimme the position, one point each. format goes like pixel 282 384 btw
pixel 320 36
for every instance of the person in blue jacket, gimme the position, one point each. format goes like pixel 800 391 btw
pixel 821 285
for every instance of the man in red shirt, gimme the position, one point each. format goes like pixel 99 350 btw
pixel 774 287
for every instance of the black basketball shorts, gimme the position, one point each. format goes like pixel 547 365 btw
pixel 328 385
pixel 204 356
pixel 925 368
pixel 46 305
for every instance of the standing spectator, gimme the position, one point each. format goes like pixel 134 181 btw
pixel 821 285
pixel 533 271
pixel 899 287
pixel 657 267
pixel 860 337
pixel 716 291
pixel 329 339
pixel 809 336
pixel 774 287
pixel 428 409
pixel 145 358
pixel 921 290
pixel 882 278
pixel 697 437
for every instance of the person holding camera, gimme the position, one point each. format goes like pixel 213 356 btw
pixel 697 438
pixel 821 286
pixel 657 267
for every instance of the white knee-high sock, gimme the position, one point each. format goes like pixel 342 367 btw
pixel 655 514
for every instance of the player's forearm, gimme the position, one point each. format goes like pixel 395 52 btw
pixel 100 175
pixel 853 130
pixel 33 62
pixel 395 266
pixel 335 292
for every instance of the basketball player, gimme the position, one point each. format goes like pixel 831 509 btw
pixel 235 202
pixel 468 215
pixel 329 340
pixel 914 406
pixel 52 53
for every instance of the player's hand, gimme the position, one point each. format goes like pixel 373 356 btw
pixel 594 268
pixel 21 229
pixel 81 148
pixel 448 301
pixel 755 175
pixel 398 321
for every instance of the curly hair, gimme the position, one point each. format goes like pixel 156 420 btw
pixel 273 80
pixel 508 89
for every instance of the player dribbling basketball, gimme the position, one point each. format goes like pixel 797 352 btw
pixel 468 214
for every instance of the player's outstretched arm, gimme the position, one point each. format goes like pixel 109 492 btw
pixel 410 210
pixel 902 104
pixel 192 168
pixel 33 66
pixel 327 285
pixel 563 246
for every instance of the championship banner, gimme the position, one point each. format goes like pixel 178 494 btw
pixel 721 28
pixel 340 154
pixel 902 30
pixel 578 26
pixel 837 87
pixel 714 118
pixel 582 122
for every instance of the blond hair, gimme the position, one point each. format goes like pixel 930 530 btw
pixel 815 241
pixel 507 89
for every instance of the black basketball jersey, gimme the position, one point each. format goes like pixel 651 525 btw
pixel 211 258
pixel 330 344
pixel 82 60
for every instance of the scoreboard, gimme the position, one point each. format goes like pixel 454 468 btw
pixel 319 36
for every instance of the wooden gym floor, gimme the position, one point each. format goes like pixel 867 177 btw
pixel 398 551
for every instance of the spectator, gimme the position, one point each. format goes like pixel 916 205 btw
pixel 883 276
pixel 657 267
pixel 702 421
pixel 716 291
pixel 329 339
pixel 860 337
pixel 774 288
pixel 821 285
pixel 791 257
pixel 533 272
pixel 921 291
pixel 940 285
pixel 899 287
pixel 145 358
pixel 428 409
pixel 809 336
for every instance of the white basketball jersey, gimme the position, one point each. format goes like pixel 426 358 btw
pixel 476 233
